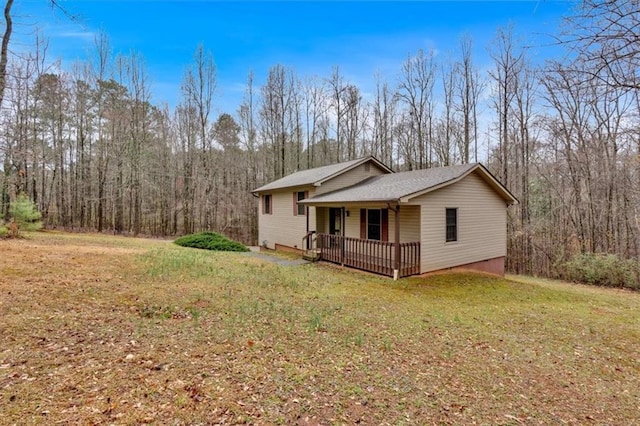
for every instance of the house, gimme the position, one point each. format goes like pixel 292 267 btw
pixel 361 214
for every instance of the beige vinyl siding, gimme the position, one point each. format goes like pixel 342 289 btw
pixel 322 219
pixel 409 223
pixel 482 229
pixel 352 223
pixel 282 227
pixel 353 176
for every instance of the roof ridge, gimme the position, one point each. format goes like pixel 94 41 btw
pixel 317 175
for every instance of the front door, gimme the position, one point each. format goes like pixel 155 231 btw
pixel 335 221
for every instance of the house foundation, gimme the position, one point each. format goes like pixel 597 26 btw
pixel 493 266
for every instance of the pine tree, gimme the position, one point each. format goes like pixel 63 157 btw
pixel 24 216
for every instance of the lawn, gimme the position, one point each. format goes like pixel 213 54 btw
pixel 100 329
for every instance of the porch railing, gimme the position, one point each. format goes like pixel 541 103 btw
pixel 369 255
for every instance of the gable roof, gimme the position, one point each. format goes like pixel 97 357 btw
pixel 318 175
pixel 403 186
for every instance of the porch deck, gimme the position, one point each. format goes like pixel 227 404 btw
pixel 369 255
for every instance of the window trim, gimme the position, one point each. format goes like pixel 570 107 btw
pixel 448 238
pixel 266 210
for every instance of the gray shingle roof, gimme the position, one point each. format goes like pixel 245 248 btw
pixel 313 176
pixel 395 186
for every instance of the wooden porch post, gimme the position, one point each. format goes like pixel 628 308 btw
pixel 396 269
pixel 342 232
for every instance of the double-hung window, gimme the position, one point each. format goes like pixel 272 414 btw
pixel 374 224
pixel 299 209
pixel 266 204
pixel 451 225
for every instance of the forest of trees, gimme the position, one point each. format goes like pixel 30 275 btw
pixel 93 152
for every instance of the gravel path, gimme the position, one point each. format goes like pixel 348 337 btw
pixel 276 260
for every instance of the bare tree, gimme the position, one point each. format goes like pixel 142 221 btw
pixel 593 141
pixel 338 87
pixel 354 119
pixel 254 163
pixel 82 101
pixel 4 47
pixel 469 87
pixel 415 91
pixel 187 133
pixel 384 119
pixel 276 112
pixel 21 123
pixel 315 107
pixel 232 189
pixel 605 34
pixel 248 132
pixel 100 68
pixel 139 133
pixel 447 125
pixel 507 61
pixel 198 88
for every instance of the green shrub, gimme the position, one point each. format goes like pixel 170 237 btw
pixel 25 213
pixel 603 270
pixel 23 216
pixel 210 241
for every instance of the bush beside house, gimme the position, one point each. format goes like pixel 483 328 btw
pixel 210 241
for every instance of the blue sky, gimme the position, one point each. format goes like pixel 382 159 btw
pixel 361 37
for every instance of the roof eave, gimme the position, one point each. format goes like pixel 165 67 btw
pixel 493 182
pixel 281 188
pixel 499 187
pixel 311 202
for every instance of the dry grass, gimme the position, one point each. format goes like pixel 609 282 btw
pixel 99 329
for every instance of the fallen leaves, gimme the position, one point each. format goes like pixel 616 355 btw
pixel 91 336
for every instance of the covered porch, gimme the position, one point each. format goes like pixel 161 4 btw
pixel 374 237
pixel 370 255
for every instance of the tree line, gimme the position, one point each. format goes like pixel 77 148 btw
pixel 93 152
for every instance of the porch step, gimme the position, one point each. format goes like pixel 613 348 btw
pixel 311 255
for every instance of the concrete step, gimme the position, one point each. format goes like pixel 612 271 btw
pixel 311 255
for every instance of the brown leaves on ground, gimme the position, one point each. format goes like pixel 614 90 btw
pixel 109 330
